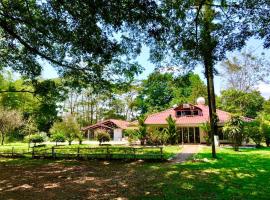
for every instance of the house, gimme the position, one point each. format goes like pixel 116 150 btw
pixel 189 119
pixel 115 128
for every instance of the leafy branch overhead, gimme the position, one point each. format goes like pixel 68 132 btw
pixel 76 38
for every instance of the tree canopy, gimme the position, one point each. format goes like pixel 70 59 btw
pixel 162 90
pixel 247 104
pixel 86 40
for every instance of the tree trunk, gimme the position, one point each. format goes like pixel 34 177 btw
pixel 208 45
pixel 212 105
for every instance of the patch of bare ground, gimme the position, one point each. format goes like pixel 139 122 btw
pixel 76 180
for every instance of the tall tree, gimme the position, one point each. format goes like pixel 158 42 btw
pixel 245 71
pixel 198 32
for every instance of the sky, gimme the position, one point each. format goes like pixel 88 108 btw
pixel 253 44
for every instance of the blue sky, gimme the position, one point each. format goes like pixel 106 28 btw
pixel 143 59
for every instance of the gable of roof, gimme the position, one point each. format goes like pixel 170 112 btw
pixel 116 122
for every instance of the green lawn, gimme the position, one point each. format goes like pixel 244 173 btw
pixel 234 175
pixel 84 149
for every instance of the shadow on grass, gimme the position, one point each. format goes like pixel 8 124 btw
pixel 235 175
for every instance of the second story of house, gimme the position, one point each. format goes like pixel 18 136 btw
pixel 187 114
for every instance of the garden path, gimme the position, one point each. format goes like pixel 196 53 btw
pixel 187 152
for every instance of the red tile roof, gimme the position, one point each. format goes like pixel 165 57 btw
pixel 160 118
pixel 119 123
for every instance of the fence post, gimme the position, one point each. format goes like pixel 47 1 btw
pixel 161 153
pixel 12 153
pixel 78 152
pixel 53 152
pixel 33 152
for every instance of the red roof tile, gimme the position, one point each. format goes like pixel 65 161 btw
pixel 160 118
pixel 119 123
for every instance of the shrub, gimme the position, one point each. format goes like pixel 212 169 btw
pixel 253 131
pixel 36 139
pixel 58 137
pixel 156 136
pixel 265 127
pixel 207 129
pixel 102 136
pixel 266 133
pixel 171 130
pixel 234 129
pixel 142 129
pixel 132 135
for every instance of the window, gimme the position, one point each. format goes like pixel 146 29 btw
pixel 195 112
pixel 181 113
pixel 178 114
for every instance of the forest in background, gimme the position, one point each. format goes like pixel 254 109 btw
pixel 160 90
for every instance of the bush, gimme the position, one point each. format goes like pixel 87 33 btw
pixel 171 130
pixel 156 136
pixel 36 139
pixel 265 127
pixel 253 131
pixel 102 136
pixel 234 129
pixel 58 137
pixel 142 129
pixel 207 129
pixel 132 135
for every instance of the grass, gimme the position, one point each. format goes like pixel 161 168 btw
pixel 234 175
pixel 116 151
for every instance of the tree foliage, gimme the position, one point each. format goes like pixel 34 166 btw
pixel 58 137
pixel 69 127
pixel 76 37
pixel 162 90
pixel 244 103
pixel 37 138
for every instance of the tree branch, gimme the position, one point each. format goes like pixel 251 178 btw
pixel 34 50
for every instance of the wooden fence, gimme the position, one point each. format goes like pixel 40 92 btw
pixel 107 153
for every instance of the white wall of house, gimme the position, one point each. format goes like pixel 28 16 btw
pixel 117 134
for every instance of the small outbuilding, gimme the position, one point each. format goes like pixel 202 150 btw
pixel 114 127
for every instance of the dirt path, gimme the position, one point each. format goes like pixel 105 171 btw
pixel 187 151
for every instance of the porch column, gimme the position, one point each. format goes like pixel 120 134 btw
pixel 182 135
